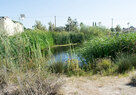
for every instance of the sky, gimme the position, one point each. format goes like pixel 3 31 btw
pixel 86 11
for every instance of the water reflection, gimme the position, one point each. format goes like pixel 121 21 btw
pixel 63 54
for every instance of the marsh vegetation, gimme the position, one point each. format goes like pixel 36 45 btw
pixel 84 51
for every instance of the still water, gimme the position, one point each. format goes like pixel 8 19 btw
pixel 63 54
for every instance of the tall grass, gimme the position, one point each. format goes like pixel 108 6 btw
pixel 108 46
pixel 92 32
pixel 67 37
pixel 44 39
pixel 24 50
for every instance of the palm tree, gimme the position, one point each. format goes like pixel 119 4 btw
pixel 69 22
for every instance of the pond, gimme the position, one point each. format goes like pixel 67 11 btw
pixel 63 54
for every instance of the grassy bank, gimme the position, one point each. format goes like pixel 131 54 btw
pixel 108 46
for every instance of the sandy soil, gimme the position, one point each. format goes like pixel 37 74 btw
pixel 93 85
pixel 97 85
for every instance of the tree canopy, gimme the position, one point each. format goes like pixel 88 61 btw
pixel 39 26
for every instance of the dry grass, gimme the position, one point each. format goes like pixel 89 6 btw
pixel 30 83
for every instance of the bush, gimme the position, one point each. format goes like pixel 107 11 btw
pixel 133 60
pixel 72 65
pixel 103 65
pixel 125 63
pixel 58 67
pixel 73 68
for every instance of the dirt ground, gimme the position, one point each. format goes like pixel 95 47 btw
pixel 92 85
pixel 96 85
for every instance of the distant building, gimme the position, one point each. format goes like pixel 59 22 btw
pixel 131 28
pixel 9 26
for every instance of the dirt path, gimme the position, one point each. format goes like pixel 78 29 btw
pixel 93 85
pixel 98 86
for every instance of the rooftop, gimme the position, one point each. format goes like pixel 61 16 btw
pixel 3 16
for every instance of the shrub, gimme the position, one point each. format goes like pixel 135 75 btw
pixel 72 65
pixel 73 68
pixel 103 65
pixel 132 59
pixel 58 67
pixel 125 63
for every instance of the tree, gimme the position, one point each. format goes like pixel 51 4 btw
pixel 95 24
pixel 51 27
pixel 112 29
pixel 118 28
pixel 69 25
pixel 72 25
pixel 81 24
pixel 39 26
